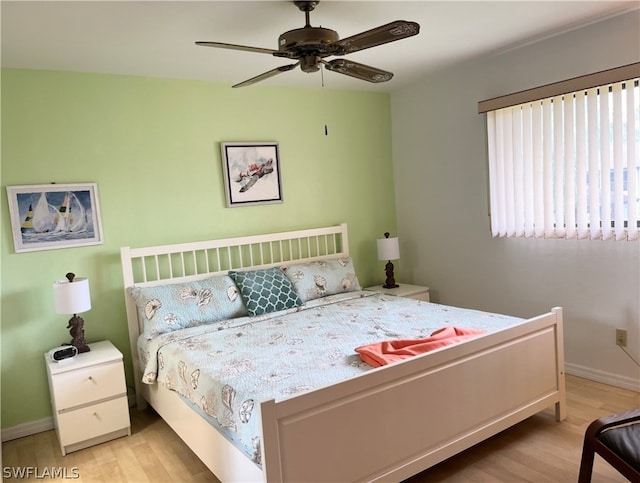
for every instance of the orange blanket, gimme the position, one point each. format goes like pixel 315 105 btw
pixel 381 353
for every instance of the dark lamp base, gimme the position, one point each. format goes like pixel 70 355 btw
pixel 390 282
pixel 76 324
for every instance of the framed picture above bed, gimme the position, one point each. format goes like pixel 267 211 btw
pixel 49 216
pixel 251 173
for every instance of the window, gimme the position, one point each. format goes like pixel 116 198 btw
pixel 567 165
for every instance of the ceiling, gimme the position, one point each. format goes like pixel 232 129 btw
pixel 156 38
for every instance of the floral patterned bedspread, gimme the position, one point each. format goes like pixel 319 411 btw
pixel 225 369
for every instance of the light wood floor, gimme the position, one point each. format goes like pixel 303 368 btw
pixel 537 450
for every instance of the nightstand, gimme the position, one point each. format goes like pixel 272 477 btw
pixel 416 292
pixel 89 397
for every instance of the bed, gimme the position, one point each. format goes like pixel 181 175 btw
pixel 376 424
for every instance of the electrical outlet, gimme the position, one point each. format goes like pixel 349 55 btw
pixel 621 337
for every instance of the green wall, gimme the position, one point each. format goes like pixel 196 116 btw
pixel 152 146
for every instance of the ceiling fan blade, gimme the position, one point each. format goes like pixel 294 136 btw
pixel 246 48
pixel 400 29
pixel 357 70
pixel 266 75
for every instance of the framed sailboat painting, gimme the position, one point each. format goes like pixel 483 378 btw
pixel 50 216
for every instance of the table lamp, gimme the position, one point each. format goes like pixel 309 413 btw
pixel 388 249
pixel 72 297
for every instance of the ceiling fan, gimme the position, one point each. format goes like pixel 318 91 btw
pixel 310 45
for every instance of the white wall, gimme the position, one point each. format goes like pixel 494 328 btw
pixel 439 149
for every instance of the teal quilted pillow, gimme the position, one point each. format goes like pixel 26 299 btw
pixel 265 291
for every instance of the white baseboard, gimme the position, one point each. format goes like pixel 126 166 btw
pixel 603 377
pixel 27 429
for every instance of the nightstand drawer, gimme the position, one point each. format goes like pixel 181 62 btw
pixel 92 421
pixel 82 386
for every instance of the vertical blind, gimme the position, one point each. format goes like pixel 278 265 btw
pixel 567 166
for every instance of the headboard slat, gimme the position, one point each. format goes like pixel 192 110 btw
pixel 144 271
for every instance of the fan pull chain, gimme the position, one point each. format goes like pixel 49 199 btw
pixel 326 129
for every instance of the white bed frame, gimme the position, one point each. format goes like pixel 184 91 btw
pixel 387 424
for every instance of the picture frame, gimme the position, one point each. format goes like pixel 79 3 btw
pixel 51 216
pixel 251 172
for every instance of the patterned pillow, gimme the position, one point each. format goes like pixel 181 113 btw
pixel 170 307
pixel 265 291
pixel 313 280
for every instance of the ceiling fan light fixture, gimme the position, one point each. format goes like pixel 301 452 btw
pixel 310 63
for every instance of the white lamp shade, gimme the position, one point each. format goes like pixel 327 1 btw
pixel 388 249
pixel 72 297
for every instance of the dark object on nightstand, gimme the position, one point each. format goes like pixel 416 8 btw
pixel 616 439
pixel 390 282
pixel 76 324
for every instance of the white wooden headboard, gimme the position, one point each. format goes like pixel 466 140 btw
pixel 183 262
